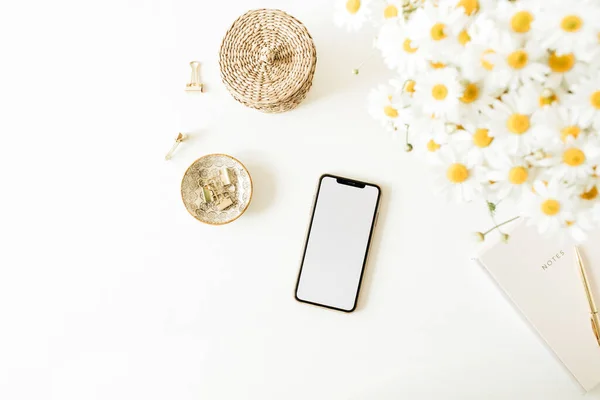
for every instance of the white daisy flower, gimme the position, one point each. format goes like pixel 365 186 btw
pixel 472 26
pixel 434 28
pixel 586 98
pixel 575 160
pixel 565 69
pixel 352 14
pixel 511 64
pixel 389 106
pixel 386 11
pixel 475 98
pixel 559 122
pixel 583 220
pixel 549 206
pixel 469 7
pixel 404 85
pixel 568 26
pixel 579 225
pixel 545 96
pixel 458 178
pixel 513 122
pixel 398 51
pixel 477 7
pixel 480 33
pixel 437 93
pixel 428 136
pixel 516 17
pixel 588 191
pixel 584 213
pixel 512 177
pixel 477 140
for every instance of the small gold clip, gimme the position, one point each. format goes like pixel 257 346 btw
pixel 195 85
pixel 180 138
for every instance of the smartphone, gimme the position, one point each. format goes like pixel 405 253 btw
pixel 341 226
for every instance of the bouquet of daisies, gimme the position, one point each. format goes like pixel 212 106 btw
pixel 502 97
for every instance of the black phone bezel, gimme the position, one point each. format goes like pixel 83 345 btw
pixel 350 182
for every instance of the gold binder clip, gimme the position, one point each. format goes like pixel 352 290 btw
pixel 195 85
pixel 218 190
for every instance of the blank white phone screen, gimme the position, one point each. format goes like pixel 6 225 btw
pixel 337 244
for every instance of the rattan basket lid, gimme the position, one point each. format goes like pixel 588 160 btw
pixel 267 60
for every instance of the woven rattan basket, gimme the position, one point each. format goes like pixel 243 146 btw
pixel 268 60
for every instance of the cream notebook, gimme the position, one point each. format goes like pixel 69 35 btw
pixel 542 278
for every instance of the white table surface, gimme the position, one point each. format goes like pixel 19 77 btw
pixel 110 290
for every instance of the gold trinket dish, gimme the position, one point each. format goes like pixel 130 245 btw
pixel 216 189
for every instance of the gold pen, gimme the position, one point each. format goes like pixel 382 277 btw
pixel 595 318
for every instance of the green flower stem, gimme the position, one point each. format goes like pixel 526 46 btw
pixel 492 209
pixel 499 225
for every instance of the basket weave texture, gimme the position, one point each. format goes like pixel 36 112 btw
pixel 267 60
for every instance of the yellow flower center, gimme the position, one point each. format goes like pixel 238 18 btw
pixel 571 23
pixel 521 22
pixel 437 31
pixel 518 124
pixel 433 146
pixel 595 100
pixel 550 207
pixel 518 175
pixel 481 138
pixel 457 173
pixel 561 64
pixel 463 37
pixel 390 111
pixel 517 59
pixel 548 100
pixel 470 94
pixel 484 63
pixel 590 194
pixel 407 47
pixel 437 65
pixel 410 86
pixel 352 6
pixel 390 11
pixel 573 157
pixel 439 92
pixel 470 6
pixel 572 130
